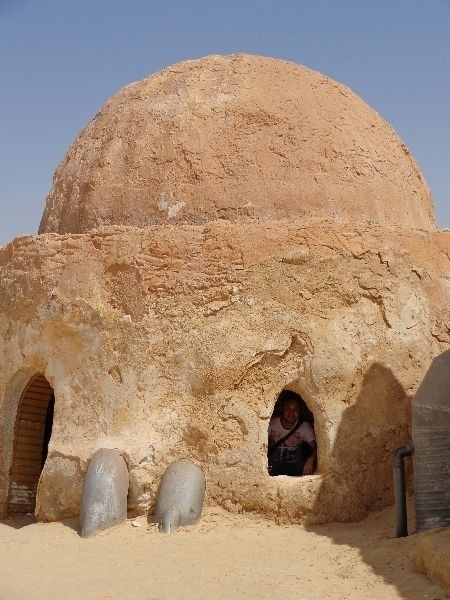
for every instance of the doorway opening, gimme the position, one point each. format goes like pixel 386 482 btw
pixel 292 446
pixel 32 434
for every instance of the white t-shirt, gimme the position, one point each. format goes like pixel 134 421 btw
pixel 305 433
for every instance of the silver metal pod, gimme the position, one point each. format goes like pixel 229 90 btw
pixel 181 496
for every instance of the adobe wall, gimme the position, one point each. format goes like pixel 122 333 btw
pixel 171 342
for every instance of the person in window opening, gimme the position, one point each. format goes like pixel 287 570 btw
pixel 292 442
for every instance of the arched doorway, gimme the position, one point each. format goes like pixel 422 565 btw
pixel 292 445
pixel 31 437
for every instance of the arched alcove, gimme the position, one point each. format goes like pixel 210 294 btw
pixel 301 430
pixel 32 433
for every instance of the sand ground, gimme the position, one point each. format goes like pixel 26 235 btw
pixel 224 556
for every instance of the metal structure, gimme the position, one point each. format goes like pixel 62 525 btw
pixel 431 439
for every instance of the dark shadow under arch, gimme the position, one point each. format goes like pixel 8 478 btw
pixel 32 433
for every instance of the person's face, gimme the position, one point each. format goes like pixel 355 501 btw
pixel 290 412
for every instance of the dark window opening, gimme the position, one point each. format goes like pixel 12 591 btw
pixel 292 446
pixel 33 429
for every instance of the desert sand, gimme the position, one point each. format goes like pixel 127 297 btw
pixel 224 556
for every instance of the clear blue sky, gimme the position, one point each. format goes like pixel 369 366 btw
pixel 61 59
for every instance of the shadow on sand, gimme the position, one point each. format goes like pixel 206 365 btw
pixel 21 521
pixel 18 521
pixel 371 429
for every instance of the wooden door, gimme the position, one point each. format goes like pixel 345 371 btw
pixel 32 434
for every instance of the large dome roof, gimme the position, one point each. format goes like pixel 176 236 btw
pixel 236 137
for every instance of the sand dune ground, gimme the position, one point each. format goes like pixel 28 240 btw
pixel 225 556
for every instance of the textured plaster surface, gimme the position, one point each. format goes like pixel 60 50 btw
pixel 174 342
pixel 239 138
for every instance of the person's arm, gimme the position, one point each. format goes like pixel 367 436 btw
pixel 309 463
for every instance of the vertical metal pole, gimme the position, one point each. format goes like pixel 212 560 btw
pixel 400 490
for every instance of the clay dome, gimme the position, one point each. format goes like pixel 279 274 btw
pixel 236 137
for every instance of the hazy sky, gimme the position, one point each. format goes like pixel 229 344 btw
pixel 61 59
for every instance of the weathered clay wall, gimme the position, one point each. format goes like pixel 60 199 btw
pixel 241 138
pixel 171 342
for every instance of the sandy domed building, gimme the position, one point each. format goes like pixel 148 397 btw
pixel 224 230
